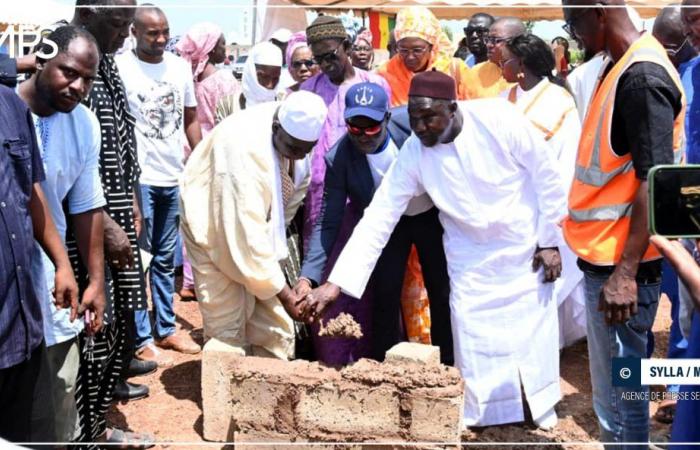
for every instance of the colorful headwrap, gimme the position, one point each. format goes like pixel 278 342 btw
pixel 325 27
pixel 364 35
pixel 420 22
pixel 195 46
pixel 297 40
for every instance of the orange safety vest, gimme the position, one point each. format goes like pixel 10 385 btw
pixel 605 185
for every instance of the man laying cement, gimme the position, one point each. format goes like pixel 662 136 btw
pixel 241 187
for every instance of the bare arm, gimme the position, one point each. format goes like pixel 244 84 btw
pixel 65 287
pixel 89 235
pixel 192 128
pixel 618 300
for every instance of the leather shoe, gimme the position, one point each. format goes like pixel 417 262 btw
pixel 129 391
pixel 179 344
pixel 149 352
pixel 139 367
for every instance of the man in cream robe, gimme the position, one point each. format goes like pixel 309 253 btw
pixel 500 200
pixel 238 193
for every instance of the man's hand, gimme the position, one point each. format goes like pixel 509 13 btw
pixel 550 260
pixel 302 288
pixel 686 267
pixel 117 246
pixel 318 300
pixel 290 302
pixel 65 291
pixel 618 300
pixel 94 301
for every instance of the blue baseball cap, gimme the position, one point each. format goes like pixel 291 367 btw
pixel 367 100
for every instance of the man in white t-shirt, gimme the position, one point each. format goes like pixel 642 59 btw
pixel 161 97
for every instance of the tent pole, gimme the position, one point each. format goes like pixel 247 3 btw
pixel 364 16
pixel 255 19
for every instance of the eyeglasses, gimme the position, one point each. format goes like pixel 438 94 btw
pixel 369 131
pixel 672 52
pixel 494 40
pixel 309 63
pixel 570 25
pixel 330 56
pixel 415 51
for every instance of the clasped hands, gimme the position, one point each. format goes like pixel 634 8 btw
pixel 305 304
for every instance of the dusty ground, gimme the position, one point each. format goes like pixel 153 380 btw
pixel 173 411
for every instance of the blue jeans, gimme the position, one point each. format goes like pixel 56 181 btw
pixel 160 220
pixel 619 420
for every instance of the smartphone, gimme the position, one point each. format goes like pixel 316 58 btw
pixel 674 201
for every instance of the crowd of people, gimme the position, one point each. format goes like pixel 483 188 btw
pixel 488 198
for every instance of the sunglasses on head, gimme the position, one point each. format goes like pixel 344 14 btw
pixel 369 131
pixel 309 63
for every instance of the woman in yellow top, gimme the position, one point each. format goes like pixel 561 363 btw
pixel 421 45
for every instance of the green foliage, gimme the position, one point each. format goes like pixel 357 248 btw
pixel 448 32
pixel 529 25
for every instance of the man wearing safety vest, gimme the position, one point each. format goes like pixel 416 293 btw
pixel 634 121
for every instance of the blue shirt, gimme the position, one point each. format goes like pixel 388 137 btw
pixel 69 144
pixel 690 74
pixel 20 167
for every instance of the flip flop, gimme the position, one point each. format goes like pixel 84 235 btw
pixel 130 440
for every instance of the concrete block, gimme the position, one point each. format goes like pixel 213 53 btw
pixel 218 360
pixel 350 409
pixel 411 352
pixel 436 414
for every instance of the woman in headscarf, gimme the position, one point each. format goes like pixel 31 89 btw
pixel 421 45
pixel 362 54
pixel 203 47
pixel 261 81
pixel 300 60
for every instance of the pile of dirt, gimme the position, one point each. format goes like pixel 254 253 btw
pixel 341 326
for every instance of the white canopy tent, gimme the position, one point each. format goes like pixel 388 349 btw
pixel 463 9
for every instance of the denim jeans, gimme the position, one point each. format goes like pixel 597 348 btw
pixel 160 220
pixel 619 420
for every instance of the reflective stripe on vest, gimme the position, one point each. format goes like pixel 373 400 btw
pixel 605 185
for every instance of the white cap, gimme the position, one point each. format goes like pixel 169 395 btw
pixel 266 54
pixel 302 115
pixel 281 35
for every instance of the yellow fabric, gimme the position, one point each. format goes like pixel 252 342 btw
pixel 225 202
pixel 420 22
pixel 602 241
pixel 485 80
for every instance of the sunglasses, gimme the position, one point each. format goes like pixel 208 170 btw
pixel 309 63
pixel 479 31
pixel 330 56
pixel 369 131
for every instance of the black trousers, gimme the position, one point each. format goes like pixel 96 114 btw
pixel 425 232
pixel 26 404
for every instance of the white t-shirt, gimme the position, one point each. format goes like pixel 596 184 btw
pixel 379 164
pixel 158 95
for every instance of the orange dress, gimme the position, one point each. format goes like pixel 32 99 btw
pixel 485 80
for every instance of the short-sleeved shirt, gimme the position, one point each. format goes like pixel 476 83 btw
pixel 70 148
pixel 20 167
pixel 158 95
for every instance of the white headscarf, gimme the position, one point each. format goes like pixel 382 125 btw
pixel 267 54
